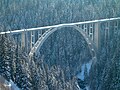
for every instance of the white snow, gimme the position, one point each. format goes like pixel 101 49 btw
pixel 77 86
pixel 13 86
pixel 10 84
pixel 87 87
pixel 81 74
pixel 89 66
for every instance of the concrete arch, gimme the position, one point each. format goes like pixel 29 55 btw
pixel 42 39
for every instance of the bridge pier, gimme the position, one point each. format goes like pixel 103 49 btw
pixel 32 39
pixel 39 33
pixel 116 27
pixel 85 28
pixel 107 31
pixel 97 35
pixel 23 40
pixel 91 33
pixel 26 42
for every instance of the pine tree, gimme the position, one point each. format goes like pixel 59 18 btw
pixel 5 57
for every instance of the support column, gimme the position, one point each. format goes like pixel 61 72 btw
pixel 107 38
pixel 22 40
pixel 39 33
pixel 17 39
pixel 97 35
pixel 26 40
pixel 91 31
pixel 107 32
pixel 32 39
pixel 85 28
pixel 115 27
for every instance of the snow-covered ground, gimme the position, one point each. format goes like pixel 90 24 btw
pixel 81 74
pixel 11 85
pixel 89 66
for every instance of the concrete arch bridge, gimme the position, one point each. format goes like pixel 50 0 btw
pixel 34 38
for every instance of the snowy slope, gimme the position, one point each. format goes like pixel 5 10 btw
pixel 81 75
pixel 5 84
pixel 13 86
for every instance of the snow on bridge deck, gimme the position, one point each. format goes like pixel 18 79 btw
pixel 59 25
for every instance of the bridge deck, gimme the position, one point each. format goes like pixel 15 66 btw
pixel 59 25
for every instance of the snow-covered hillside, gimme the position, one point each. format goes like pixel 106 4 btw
pixel 5 85
pixel 81 75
